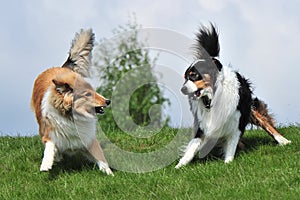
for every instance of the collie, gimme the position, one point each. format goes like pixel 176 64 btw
pixel 221 102
pixel 65 105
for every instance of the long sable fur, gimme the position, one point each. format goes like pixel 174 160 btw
pixel 80 53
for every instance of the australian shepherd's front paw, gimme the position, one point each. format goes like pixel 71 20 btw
pixel 182 162
pixel 179 165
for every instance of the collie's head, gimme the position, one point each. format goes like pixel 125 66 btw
pixel 75 96
pixel 201 75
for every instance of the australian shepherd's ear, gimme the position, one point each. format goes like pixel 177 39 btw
pixel 65 105
pixel 221 102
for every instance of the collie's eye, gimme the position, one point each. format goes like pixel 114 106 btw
pixel 88 94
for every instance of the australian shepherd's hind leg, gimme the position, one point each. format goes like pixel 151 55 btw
pixel 260 117
pixel 230 146
pixel 97 153
pixel 269 128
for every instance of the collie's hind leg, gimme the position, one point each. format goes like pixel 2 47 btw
pixel 230 147
pixel 192 148
pixel 49 155
pixel 97 153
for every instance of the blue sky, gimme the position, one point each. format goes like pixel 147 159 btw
pixel 258 38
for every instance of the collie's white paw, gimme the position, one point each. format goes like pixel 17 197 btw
pixel 109 172
pixel 105 168
pixel 45 167
pixel 48 159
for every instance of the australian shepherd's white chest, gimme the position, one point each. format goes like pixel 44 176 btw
pixel 221 102
pixel 65 105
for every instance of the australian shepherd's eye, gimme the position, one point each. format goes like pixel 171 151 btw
pixel 193 75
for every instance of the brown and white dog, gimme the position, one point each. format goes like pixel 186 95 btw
pixel 65 105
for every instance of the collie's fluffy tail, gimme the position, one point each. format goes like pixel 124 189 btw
pixel 260 117
pixel 80 52
pixel 208 39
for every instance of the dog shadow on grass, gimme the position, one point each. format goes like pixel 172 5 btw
pixel 251 143
pixel 70 164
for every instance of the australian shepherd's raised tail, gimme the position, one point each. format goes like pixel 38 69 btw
pixel 65 105
pixel 221 102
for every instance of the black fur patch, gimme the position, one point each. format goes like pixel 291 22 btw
pixel 208 39
pixel 218 64
pixel 192 74
pixel 199 133
pixel 245 101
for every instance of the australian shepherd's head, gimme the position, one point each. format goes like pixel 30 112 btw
pixel 200 76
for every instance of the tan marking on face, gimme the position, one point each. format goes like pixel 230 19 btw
pixel 205 82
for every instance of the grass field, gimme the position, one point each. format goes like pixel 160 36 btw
pixel 263 170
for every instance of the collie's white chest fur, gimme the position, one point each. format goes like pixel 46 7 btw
pixel 69 134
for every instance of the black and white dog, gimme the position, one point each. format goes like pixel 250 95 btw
pixel 221 102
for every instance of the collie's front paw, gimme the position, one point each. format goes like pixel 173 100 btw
pixel 105 168
pixel 45 167
pixel 49 154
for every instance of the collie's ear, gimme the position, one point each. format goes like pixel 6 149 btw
pixel 62 87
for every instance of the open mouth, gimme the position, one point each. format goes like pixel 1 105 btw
pixel 197 93
pixel 99 109
pixel 206 101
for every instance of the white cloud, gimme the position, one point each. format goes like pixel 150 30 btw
pixel 213 5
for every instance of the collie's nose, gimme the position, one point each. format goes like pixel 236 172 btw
pixel 107 101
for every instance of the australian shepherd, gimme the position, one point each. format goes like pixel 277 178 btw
pixel 65 105
pixel 221 102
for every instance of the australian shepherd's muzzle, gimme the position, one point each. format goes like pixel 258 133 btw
pixel 221 102
pixel 65 105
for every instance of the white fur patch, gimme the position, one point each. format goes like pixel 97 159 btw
pixel 281 140
pixel 49 154
pixel 190 87
pixel 223 105
pixel 104 168
pixel 68 134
